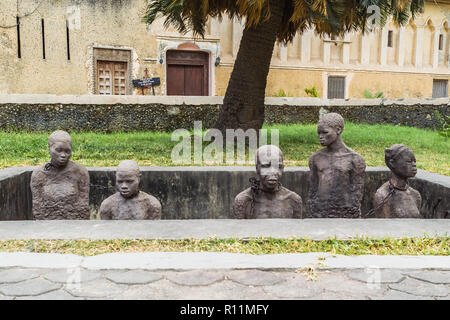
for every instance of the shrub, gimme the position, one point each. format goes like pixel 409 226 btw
pixel 369 95
pixel 280 93
pixel 312 92
pixel 445 126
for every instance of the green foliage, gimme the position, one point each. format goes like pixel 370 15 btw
pixel 312 92
pixel 359 246
pixel 445 125
pixel 369 95
pixel 325 16
pixel 280 93
pixel 154 148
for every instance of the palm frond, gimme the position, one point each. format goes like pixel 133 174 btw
pixel 332 17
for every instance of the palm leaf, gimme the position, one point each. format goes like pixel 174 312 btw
pixel 332 17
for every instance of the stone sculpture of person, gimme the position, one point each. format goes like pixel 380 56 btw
pixel 129 203
pixel 336 182
pixel 266 198
pixel 60 188
pixel 395 199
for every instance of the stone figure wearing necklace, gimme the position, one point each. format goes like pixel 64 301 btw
pixel 267 198
pixel 60 188
pixel 395 199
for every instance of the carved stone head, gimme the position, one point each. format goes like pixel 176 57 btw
pixel 330 128
pixel 269 166
pixel 60 147
pixel 401 160
pixel 128 177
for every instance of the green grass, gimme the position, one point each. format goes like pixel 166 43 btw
pixel 298 142
pixel 406 246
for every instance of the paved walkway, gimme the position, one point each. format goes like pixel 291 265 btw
pixel 224 276
pixel 63 284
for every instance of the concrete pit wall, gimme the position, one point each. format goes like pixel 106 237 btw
pixel 167 113
pixel 15 194
pixel 208 192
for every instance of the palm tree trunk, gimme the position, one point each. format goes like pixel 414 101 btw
pixel 243 104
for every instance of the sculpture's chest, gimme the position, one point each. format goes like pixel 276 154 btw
pixel 279 207
pixel 130 210
pixel 60 189
pixel 403 205
pixel 332 167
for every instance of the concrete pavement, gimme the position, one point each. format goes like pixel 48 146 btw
pixel 209 275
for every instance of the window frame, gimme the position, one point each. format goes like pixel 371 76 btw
pixel 435 81
pixel 330 78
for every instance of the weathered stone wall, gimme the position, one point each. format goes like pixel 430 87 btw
pixel 15 194
pixel 143 113
pixel 208 192
pixel 406 69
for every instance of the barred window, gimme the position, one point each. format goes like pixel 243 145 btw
pixel 336 87
pixel 440 88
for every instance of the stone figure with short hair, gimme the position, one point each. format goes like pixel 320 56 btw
pixel 336 182
pixel 395 198
pixel 267 198
pixel 60 188
pixel 129 203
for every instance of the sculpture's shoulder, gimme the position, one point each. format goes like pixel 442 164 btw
pixel 381 193
pixel 152 203
pixel 37 183
pixel 241 203
pixel 244 196
pixel 108 205
pixel 415 194
pixel 380 210
pixel 318 154
pixel 38 174
pixel 314 158
pixel 78 169
pixel 291 195
pixel 357 159
pixel 111 201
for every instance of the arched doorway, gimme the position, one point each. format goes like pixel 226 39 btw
pixel 187 73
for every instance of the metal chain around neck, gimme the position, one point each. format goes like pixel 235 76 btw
pixel 49 165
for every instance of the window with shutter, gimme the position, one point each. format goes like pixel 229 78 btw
pixel 336 87
pixel 112 71
pixel 112 78
pixel 440 88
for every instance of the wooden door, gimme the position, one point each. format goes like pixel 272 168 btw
pixel 187 73
pixel 111 78
pixel 175 80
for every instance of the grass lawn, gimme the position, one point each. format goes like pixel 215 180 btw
pixel 406 246
pixel 298 142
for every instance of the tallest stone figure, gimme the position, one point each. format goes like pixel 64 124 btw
pixel 336 182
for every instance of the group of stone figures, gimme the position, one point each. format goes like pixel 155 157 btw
pixel 60 188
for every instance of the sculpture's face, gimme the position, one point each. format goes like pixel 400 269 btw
pixel 269 169
pixel 127 183
pixel 327 134
pixel 60 151
pixel 405 164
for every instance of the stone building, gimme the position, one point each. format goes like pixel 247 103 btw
pixel 100 46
